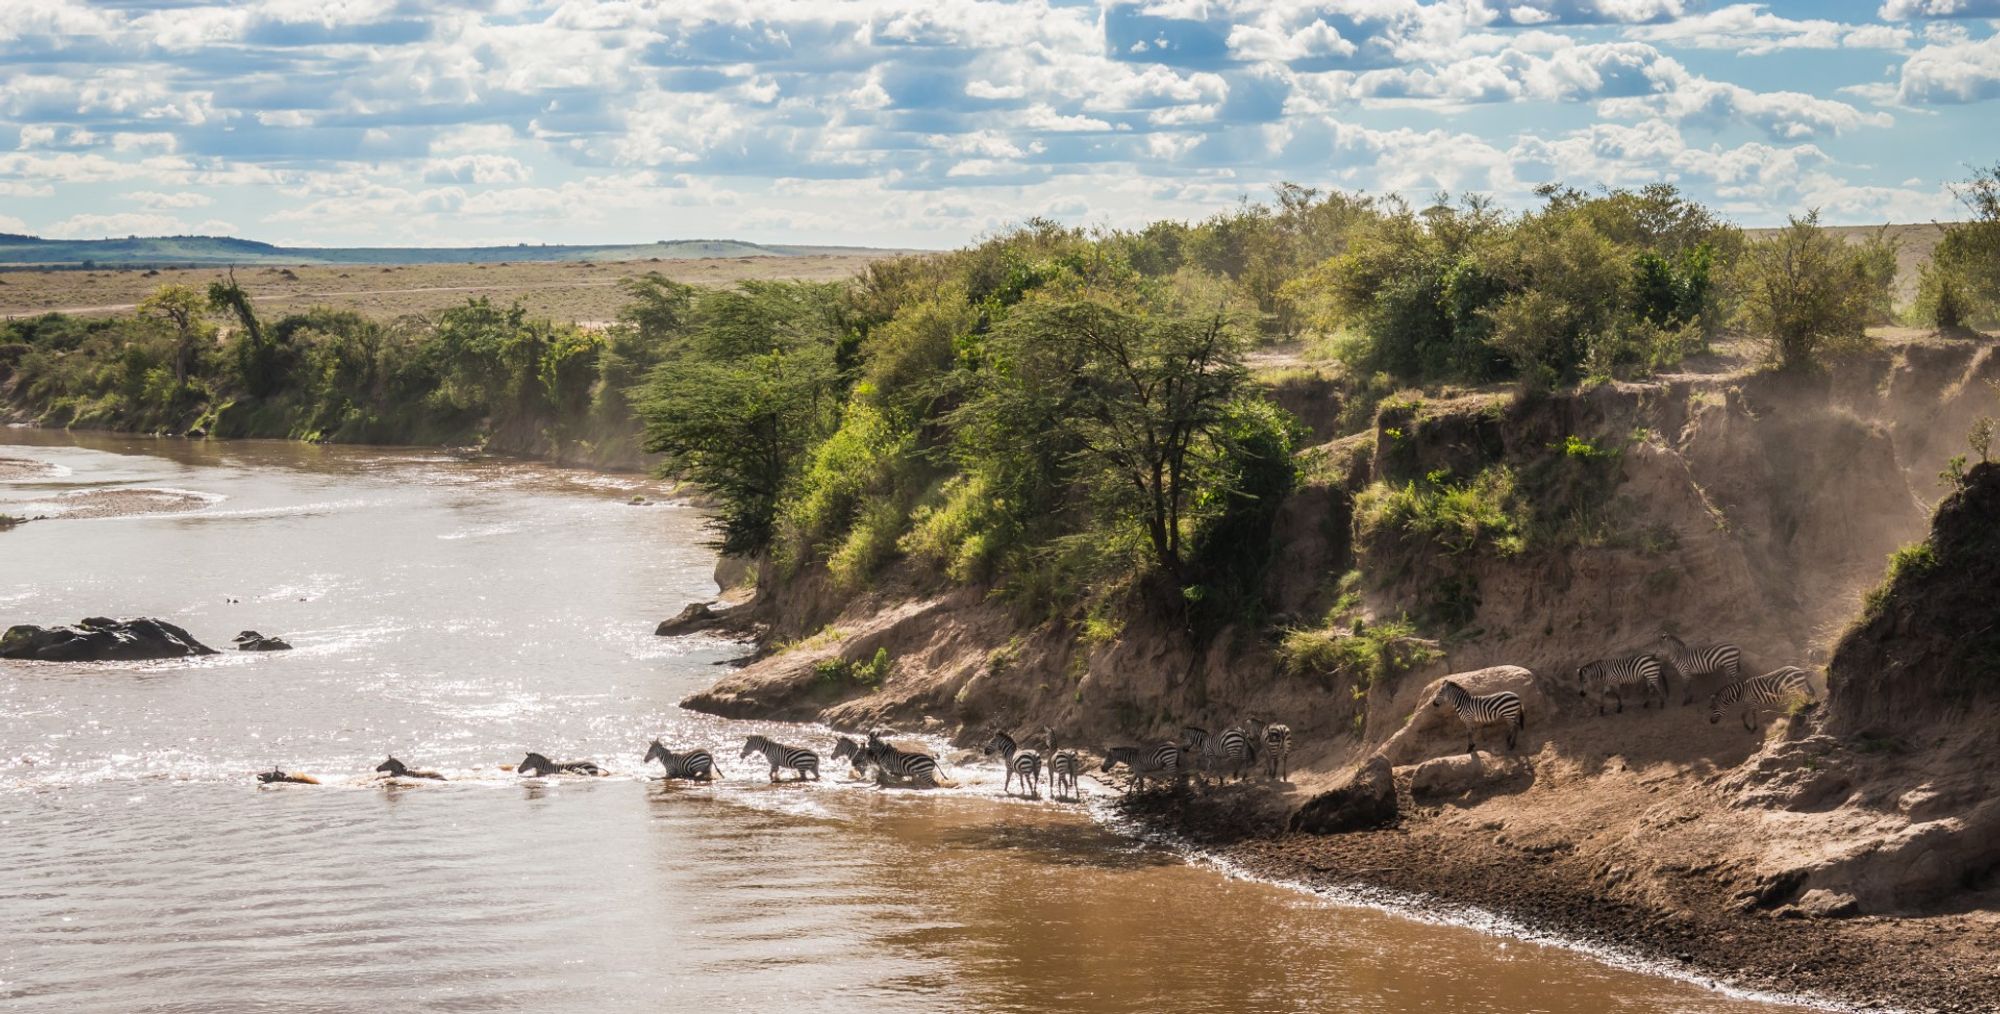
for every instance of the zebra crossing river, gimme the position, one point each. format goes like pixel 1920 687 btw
pixel 457 614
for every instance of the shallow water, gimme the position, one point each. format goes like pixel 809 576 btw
pixel 458 614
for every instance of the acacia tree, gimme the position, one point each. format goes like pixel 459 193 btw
pixel 186 310
pixel 1142 398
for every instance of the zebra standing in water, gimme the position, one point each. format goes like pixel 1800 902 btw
pixel 782 757
pixel 1157 762
pixel 1064 766
pixel 1025 763
pixel 1774 689
pixel 1612 679
pixel 1276 740
pixel 1723 659
pixel 1503 708
pixel 694 765
pixel 854 754
pixel 920 769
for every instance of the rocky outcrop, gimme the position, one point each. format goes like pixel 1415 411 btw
pixel 698 616
pixel 1365 801
pixel 98 639
pixel 251 640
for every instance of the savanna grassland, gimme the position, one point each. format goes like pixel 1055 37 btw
pixel 581 291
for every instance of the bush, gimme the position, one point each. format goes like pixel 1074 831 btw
pixel 1808 295
pixel 1459 517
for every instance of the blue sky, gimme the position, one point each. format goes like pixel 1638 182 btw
pixel 930 122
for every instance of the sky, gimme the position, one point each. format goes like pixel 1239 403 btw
pixel 928 123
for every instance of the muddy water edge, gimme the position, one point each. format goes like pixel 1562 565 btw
pixel 460 613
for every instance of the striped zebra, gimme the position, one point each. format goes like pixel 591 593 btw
pixel 536 764
pixel 1025 763
pixel 1156 762
pixel 854 754
pixel 1612 679
pixel 1277 747
pixel 694 765
pixel 1064 766
pixel 1503 708
pixel 1725 660
pixel 1775 689
pixel 1232 750
pixel 782 757
pixel 920 769
pixel 1194 751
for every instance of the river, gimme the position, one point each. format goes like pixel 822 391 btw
pixel 460 613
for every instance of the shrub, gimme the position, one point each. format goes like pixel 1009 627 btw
pixel 1807 294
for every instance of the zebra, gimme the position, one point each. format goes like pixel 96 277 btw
pixel 536 764
pixel 782 757
pixel 1025 763
pixel 854 754
pixel 397 769
pixel 1774 689
pixel 1723 659
pixel 1232 748
pixel 921 769
pixel 1064 766
pixel 694 765
pixel 1277 741
pixel 1612 679
pixel 1158 762
pixel 1503 708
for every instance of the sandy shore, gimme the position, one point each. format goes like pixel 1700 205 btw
pixel 23 468
pixel 117 503
pixel 1947 962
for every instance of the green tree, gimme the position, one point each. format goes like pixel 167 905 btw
pixel 186 310
pixel 742 395
pixel 1143 396
pixel 1807 294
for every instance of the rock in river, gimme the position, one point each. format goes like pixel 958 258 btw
pixel 697 616
pixel 251 640
pixel 98 639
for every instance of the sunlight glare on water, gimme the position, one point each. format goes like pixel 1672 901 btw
pixel 458 614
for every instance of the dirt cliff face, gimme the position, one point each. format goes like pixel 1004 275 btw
pixel 1927 646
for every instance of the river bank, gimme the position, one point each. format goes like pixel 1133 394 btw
pixel 1469 868
pixel 458 613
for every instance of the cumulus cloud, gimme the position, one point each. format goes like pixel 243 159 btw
pixel 1898 10
pixel 157 201
pixel 379 119
pixel 475 169
pixel 1952 73
pixel 132 223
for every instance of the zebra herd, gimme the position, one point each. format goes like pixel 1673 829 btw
pixel 1236 751
pixel 1647 672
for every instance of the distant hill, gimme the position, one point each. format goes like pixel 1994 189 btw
pixel 207 251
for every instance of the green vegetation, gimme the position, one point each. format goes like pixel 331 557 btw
pixel 1960 284
pixel 1061 416
pixel 835 672
pixel 1809 295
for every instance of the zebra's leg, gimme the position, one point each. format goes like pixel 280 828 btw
pixel 1620 698
pixel 1748 722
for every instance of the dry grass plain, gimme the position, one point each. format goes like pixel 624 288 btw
pixel 583 292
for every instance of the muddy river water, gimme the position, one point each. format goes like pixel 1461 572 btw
pixel 458 614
